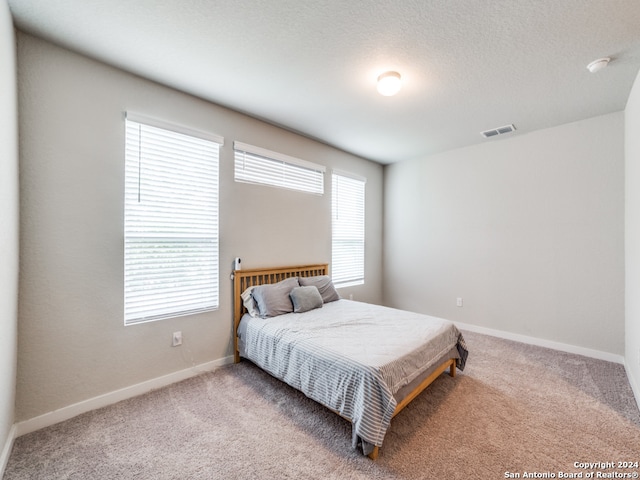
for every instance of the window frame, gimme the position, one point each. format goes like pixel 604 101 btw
pixel 348 263
pixel 158 226
pixel 257 165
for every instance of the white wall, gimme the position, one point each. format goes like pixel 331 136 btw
pixel 8 230
pixel 72 342
pixel 528 230
pixel 632 237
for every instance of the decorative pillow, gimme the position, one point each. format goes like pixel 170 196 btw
pixel 273 299
pixel 305 298
pixel 324 285
pixel 249 302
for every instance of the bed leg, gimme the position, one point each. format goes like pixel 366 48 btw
pixel 374 454
pixel 452 368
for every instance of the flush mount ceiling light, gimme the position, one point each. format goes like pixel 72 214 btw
pixel 389 83
pixel 598 64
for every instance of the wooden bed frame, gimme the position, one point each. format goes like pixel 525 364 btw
pixel 243 279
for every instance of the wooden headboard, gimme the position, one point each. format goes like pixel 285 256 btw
pixel 243 279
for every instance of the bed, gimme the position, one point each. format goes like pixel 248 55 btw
pixel 365 362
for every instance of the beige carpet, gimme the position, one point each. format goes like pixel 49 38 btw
pixel 516 408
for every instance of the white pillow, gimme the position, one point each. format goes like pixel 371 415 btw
pixel 249 302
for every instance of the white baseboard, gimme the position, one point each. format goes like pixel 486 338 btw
pixel 563 347
pixel 6 450
pixel 65 413
pixel 635 388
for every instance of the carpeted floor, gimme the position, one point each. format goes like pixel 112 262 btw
pixel 515 409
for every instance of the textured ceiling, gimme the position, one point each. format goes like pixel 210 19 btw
pixel 310 66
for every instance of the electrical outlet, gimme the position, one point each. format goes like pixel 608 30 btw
pixel 459 301
pixel 176 339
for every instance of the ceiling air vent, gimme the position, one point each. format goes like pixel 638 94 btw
pixel 498 131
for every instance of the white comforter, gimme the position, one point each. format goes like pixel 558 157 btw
pixel 349 356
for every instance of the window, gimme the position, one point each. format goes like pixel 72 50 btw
pixel 171 221
pixel 347 214
pixel 257 165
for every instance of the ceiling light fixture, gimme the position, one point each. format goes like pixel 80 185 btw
pixel 389 83
pixel 598 65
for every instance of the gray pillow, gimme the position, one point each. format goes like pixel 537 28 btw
pixel 273 300
pixel 305 298
pixel 324 285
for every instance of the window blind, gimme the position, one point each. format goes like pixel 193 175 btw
pixel 171 223
pixel 347 209
pixel 258 165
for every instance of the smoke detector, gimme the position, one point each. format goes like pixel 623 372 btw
pixel 598 64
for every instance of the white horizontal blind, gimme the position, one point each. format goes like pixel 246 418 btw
pixel 257 165
pixel 347 208
pixel 171 224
